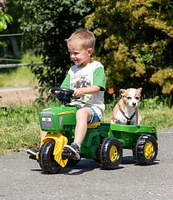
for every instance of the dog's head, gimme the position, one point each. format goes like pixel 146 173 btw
pixel 131 96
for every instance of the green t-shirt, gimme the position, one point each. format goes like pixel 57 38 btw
pixel 92 74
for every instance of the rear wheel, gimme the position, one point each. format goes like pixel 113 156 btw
pixel 46 158
pixel 145 149
pixel 111 153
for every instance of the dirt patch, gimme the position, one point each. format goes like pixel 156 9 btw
pixel 18 96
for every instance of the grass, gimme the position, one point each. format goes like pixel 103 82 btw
pixel 21 76
pixel 18 128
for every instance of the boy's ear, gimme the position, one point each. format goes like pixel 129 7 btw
pixel 90 51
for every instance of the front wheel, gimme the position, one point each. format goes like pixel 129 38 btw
pixel 145 149
pixel 111 153
pixel 46 158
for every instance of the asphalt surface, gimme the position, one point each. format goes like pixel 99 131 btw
pixel 22 179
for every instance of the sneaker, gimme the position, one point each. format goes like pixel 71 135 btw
pixel 32 153
pixel 74 150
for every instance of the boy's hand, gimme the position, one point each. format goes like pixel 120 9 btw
pixel 51 94
pixel 86 90
pixel 79 92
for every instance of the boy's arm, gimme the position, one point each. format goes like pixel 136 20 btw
pixel 86 90
pixel 100 78
pixel 66 82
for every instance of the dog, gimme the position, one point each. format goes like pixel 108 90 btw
pixel 125 111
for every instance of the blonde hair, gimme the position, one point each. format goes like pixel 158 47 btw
pixel 83 37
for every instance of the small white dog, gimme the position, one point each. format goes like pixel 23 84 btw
pixel 125 111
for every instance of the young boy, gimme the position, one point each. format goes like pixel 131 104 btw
pixel 87 79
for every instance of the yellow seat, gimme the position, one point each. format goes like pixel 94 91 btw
pixel 94 125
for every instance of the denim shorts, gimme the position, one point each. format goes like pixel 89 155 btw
pixel 96 114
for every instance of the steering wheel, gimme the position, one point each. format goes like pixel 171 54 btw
pixel 63 94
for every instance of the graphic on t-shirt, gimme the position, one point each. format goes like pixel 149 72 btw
pixel 79 83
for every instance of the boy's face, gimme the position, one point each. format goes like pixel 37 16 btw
pixel 80 55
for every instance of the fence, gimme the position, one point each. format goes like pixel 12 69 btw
pixel 13 49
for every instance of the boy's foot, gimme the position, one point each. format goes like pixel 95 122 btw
pixel 74 150
pixel 32 153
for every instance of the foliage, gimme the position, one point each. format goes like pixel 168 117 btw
pixel 164 78
pixel 46 25
pixel 136 39
pixel 5 19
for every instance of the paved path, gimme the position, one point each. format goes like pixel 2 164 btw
pixel 19 96
pixel 22 179
pixel 17 89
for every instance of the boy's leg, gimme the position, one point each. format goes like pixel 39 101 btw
pixel 42 134
pixel 33 151
pixel 83 116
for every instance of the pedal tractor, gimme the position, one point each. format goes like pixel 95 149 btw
pixel 103 142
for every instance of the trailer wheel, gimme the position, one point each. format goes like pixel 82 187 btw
pixel 111 153
pixel 145 149
pixel 46 158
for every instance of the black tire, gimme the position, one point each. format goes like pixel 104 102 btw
pixel 46 158
pixel 111 153
pixel 145 149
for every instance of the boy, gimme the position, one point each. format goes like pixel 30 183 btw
pixel 87 79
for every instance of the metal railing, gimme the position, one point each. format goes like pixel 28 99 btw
pixel 2 66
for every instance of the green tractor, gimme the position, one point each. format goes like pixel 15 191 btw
pixel 103 142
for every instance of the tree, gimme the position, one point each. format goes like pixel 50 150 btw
pixel 136 39
pixel 5 19
pixel 46 25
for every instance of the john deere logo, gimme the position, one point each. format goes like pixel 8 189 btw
pixel 152 129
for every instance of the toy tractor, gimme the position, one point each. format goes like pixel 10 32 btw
pixel 103 142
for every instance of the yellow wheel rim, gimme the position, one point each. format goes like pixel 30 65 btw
pixel 148 150
pixel 113 154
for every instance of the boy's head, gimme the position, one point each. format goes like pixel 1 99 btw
pixel 82 37
pixel 81 46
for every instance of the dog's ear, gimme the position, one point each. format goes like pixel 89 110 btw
pixel 140 90
pixel 122 91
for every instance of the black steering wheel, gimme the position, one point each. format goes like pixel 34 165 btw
pixel 63 94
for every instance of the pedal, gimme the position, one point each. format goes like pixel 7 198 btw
pixel 68 155
pixel 33 157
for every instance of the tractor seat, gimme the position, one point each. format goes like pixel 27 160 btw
pixel 94 125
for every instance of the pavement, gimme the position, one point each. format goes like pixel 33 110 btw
pixel 22 179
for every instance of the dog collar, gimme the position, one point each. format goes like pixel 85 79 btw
pixel 123 113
